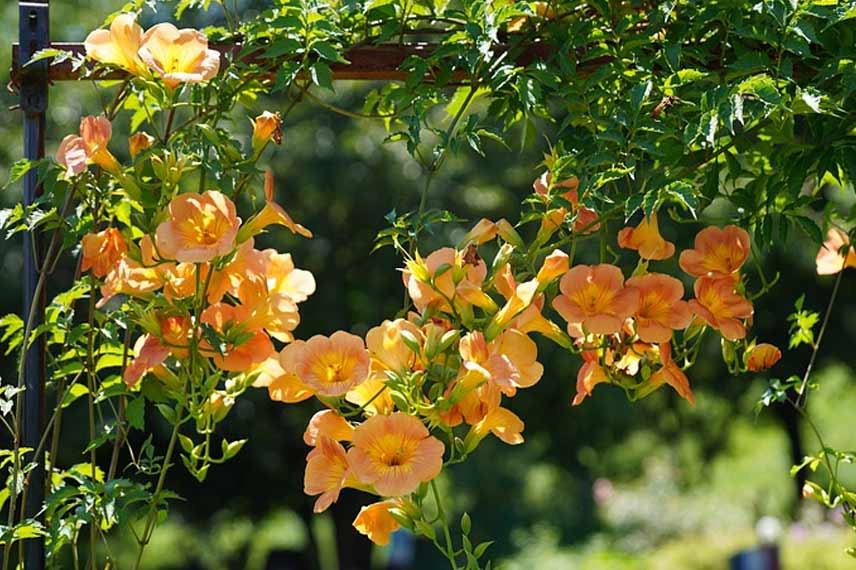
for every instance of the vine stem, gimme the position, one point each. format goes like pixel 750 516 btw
pixel 90 381
pixel 802 396
pixel 148 530
pixel 201 293
pixel 53 250
pixel 120 437
pixel 449 552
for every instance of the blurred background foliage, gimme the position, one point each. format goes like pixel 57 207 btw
pixel 657 484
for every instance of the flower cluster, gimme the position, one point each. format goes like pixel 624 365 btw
pixel 421 392
pixel 174 55
pixel 202 251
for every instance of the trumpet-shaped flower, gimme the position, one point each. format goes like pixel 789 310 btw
pixel 646 239
pixel 375 522
pixel 175 333
pixel 480 397
pixel 331 366
pixel 327 472
pixel 271 214
pixel 486 230
pixel 227 319
pixel 96 133
pixel 276 313
pixel 502 423
pixel 762 357
pixel 372 395
pixel 178 56
pixel 128 277
pixel 670 373
pixel 590 375
pixel 509 361
pixel 119 45
pixel 200 227
pixel 282 386
pixel 283 278
pixel 139 142
pixel 150 353
pixel 180 279
pixel 595 300
pixel 530 319
pixel 830 258
pixel 523 296
pixel 555 265
pixel 388 349
pixel 75 152
pixel 327 423
pixel 718 253
pixel 661 309
pixel 458 273
pixel 72 155
pixel 395 453
pixel 720 307
pixel 102 251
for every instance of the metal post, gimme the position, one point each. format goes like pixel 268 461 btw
pixel 33 33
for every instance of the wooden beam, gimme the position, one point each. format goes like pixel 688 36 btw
pixel 367 63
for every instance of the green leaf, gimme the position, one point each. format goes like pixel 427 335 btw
pixel 480 549
pixel 321 75
pixel 135 413
pixel 810 227
pixel 684 194
pixel 378 4
pixel 13 334
pixel 328 52
pixel 282 46
pixel 167 412
pixel 85 469
pixel 18 170
pixel 762 86
pixel 73 393
pixel 650 202
pixel 59 55
pixel 639 94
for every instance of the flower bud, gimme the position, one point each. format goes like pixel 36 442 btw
pixel 507 232
pixel 555 265
pixel 266 127
pixel 762 357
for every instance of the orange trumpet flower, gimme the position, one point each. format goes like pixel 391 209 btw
pixel 595 300
pixel 720 307
pixel 661 309
pixel 718 253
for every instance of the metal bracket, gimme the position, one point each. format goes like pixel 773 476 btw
pixel 33 35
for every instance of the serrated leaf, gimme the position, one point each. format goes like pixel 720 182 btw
pixel 18 170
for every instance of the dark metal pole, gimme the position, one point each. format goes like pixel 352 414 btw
pixel 33 33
